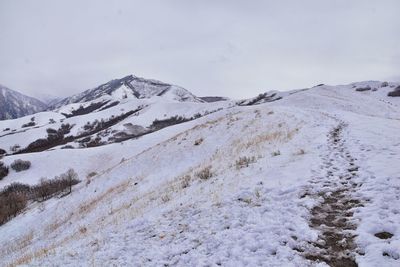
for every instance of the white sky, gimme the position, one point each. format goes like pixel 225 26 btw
pixel 211 47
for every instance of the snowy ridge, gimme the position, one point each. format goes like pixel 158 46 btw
pixel 272 165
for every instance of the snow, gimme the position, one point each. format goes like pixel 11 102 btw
pixel 142 210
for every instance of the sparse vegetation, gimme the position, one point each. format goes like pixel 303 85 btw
pixel 20 165
pixel 244 162
pixel 205 173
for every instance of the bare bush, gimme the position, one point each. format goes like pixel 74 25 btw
pixel 301 152
pixel 186 181
pixel 244 162
pixel 205 173
pixel 13 199
pixel 395 92
pixel 363 89
pixel 165 198
pixel 20 165
pixel 11 204
pixel 3 170
pixel 15 148
pixel 276 153
pixel 61 184
pixel 198 141
pixel 29 124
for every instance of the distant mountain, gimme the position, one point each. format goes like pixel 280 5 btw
pixel 48 99
pixel 131 87
pixel 14 104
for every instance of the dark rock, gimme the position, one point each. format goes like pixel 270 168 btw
pixel 384 235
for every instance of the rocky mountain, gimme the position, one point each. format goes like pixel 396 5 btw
pixel 14 104
pixel 131 87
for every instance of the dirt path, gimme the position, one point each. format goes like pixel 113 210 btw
pixel 333 216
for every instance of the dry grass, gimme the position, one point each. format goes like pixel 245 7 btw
pixel 89 206
pixel 28 257
pixel 205 173
pixel 244 162
pixel 18 244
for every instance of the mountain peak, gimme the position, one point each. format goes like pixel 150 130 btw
pixel 132 86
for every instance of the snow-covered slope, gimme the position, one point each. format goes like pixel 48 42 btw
pixel 14 104
pixel 308 180
pixel 119 110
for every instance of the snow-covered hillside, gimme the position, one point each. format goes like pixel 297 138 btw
pixel 14 104
pixel 308 179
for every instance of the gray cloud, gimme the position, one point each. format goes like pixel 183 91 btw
pixel 234 48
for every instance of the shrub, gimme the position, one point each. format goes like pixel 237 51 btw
pixel 198 141
pixel 2 151
pixel 362 89
pixel 243 162
pixel 205 173
pixel 396 92
pixel 13 199
pixel 20 165
pixel 29 124
pixel 15 148
pixel 384 84
pixel 186 181
pixel 91 174
pixel 11 204
pixel 301 152
pixel 276 153
pixel 3 170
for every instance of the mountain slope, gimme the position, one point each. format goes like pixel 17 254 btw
pixel 14 104
pixel 307 180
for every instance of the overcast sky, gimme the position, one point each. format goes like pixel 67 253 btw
pixel 231 48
